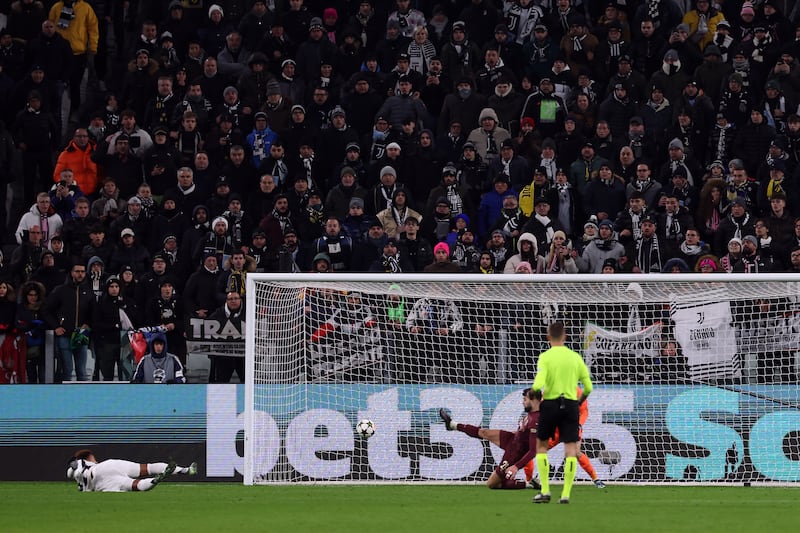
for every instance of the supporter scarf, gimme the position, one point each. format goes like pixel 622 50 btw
pixel 654 12
pixel 454 197
pixel 691 249
pixel 555 264
pixel 648 256
pixel 547 223
pixel 67 14
pixel 739 224
pixel 577 43
pixel 615 49
pixel 773 187
pixel 399 215
pixel 563 19
pixel 636 225
pixel 282 219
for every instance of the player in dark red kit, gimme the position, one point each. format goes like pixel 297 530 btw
pixel 519 446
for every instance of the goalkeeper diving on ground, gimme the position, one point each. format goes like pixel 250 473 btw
pixel 519 447
pixel 117 475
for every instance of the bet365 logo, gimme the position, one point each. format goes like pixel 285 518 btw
pixel 702 418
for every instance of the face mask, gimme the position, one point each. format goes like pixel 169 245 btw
pixel 465 93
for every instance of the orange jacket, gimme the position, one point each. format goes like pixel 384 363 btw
pixel 80 162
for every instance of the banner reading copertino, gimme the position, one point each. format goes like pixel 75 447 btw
pixel 634 433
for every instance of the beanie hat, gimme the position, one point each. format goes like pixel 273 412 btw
pixel 523 267
pixel 610 262
pixel 442 246
pixel 220 219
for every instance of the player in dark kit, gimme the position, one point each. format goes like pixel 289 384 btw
pixel 519 446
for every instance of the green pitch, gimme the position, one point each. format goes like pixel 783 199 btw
pixel 221 507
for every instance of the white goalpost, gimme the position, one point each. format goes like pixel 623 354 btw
pixel 696 376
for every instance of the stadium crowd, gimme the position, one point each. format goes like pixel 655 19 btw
pixel 168 148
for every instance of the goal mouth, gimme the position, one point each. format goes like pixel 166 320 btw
pixel 695 374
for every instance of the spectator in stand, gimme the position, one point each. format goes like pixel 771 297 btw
pixel 77 156
pixel 68 312
pixel 36 133
pixel 30 320
pixel 41 215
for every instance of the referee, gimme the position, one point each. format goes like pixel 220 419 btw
pixel 558 372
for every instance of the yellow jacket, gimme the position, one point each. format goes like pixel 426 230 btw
pixel 82 34
pixel 692 19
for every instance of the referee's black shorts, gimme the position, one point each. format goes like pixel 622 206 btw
pixel 562 414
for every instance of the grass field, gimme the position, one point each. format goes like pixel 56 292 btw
pixel 225 507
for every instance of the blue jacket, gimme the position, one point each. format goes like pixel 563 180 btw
pixel 260 143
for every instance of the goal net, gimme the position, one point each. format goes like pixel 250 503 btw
pixel 695 375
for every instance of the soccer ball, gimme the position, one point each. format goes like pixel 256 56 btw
pixel 365 428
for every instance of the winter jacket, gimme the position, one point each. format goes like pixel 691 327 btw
pixel 83 168
pixel 82 32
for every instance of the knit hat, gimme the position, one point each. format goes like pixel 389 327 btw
pixel 707 262
pixel 676 143
pixel 611 262
pixel 388 170
pixel 355 201
pixel 747 9
pixel 223 220
pixel 215 7
pixel 750 238
pixel 347 170
pixel 441 246
pixel 523 267
pixel 488 112
pixel 273 87
pixel 316 24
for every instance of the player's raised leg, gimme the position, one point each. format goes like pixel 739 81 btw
pixel 492 435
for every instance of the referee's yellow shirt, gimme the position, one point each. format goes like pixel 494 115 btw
pixel 558 371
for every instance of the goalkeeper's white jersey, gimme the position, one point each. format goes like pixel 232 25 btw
pixel 112 475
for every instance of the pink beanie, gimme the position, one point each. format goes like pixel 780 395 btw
pixel 747 8
pixel 524 268
pixel 442 246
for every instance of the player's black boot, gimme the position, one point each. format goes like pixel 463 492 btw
pixel 447 418
pixel 166 473
pixel 534 483
pixel 541 498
